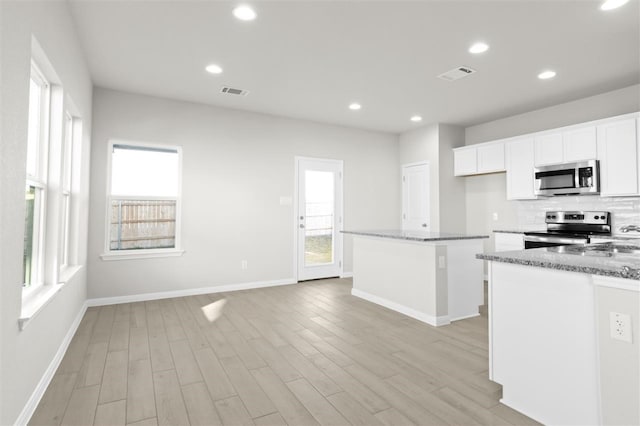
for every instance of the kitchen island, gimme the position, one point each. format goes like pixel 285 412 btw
pixel 553 343
pixel 430 276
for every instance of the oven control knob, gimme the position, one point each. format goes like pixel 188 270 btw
pixel 548 216
pixel 553 217
pixel 596 217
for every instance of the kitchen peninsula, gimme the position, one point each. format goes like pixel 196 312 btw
pixel 431 276
pixel 554 344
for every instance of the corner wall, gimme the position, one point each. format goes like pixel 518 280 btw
pixel 236 166
pixel 434 143
pixel 25 356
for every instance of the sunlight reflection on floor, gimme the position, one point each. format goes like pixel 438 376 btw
pixel 213 311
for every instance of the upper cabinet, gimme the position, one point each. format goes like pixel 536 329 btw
pixel 575 144
pixel 614 141
pixel 580 144
pixel 478 159
pixel 548 149
pixel 618 154
pixel 520 163
pixel 465 161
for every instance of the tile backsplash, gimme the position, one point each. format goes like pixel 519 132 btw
pixel 624 210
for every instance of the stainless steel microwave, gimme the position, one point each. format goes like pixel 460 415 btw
pixel 568 179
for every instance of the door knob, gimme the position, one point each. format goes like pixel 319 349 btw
pixel 301 217
pixel 424 225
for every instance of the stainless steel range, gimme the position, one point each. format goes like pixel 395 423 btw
pixel 569 227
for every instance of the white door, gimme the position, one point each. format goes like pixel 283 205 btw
pixel 319 218
pixel 415 197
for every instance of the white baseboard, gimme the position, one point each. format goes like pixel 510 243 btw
pixel 346 275
pixel 36 396
pixel 420 316
pixel 102 301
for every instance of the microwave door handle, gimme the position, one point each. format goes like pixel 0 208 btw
pixel 576 178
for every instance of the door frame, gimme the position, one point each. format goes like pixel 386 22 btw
pixel 402 189
pixel 339 211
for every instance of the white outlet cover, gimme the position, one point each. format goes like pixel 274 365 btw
pixel 620 326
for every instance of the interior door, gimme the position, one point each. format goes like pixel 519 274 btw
pixel 415 197
pixel 319 218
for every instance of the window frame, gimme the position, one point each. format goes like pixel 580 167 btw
pixel 39 181
pixel 66 185
pixel 177 250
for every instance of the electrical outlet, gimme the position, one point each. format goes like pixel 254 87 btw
pixel 495 216
pixel 244 264
pixel 620 326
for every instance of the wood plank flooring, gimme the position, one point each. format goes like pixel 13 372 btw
pixel 304 354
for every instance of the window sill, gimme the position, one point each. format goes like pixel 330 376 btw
pixel 34 302
pixel 68 273
pixel 141 254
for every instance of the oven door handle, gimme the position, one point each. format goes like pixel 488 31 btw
pixel 555 240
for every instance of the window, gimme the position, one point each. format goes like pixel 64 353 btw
pixel 144 199
pixel 36 182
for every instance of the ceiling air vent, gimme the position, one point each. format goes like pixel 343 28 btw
pixel 231 91
pixel 456 73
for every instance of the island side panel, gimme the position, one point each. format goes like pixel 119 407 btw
pixel 400 275
pixel 465 279
pixel 619 360
pixel 543 346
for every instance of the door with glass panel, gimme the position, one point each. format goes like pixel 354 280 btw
pixel 319 218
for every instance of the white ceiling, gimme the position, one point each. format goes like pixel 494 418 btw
pixel 310 59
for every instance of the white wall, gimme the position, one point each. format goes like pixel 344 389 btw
pixel 236 166
pixel 25 355
pixel 452 189
pixel 434 143
pixel 609 104
pixel 486 194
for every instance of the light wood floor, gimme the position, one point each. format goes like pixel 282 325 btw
pixel 304 354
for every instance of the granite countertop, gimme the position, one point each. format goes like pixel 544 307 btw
pixel 519 231
pixel 622 237
pixel 415 235
pixel 614 259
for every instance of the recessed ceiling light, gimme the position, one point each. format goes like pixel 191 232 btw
pixel 613 4
pixel 244 13
pixel 416 119
pixel 355 106
pixel 545 75
pixel 478 48
pixel 214 69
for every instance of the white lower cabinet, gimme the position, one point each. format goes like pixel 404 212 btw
pixel 542 343
pixel 519 164
pixel 618 155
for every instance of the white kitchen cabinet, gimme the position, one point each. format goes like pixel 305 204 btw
pixel 478 159
pixel 465 161
pixel 548 149
pixel 519 163
pixel 507 241
pixel 542 345
pixel 491 158
pixel 618 155
pixel 577 144
pixel 580 144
